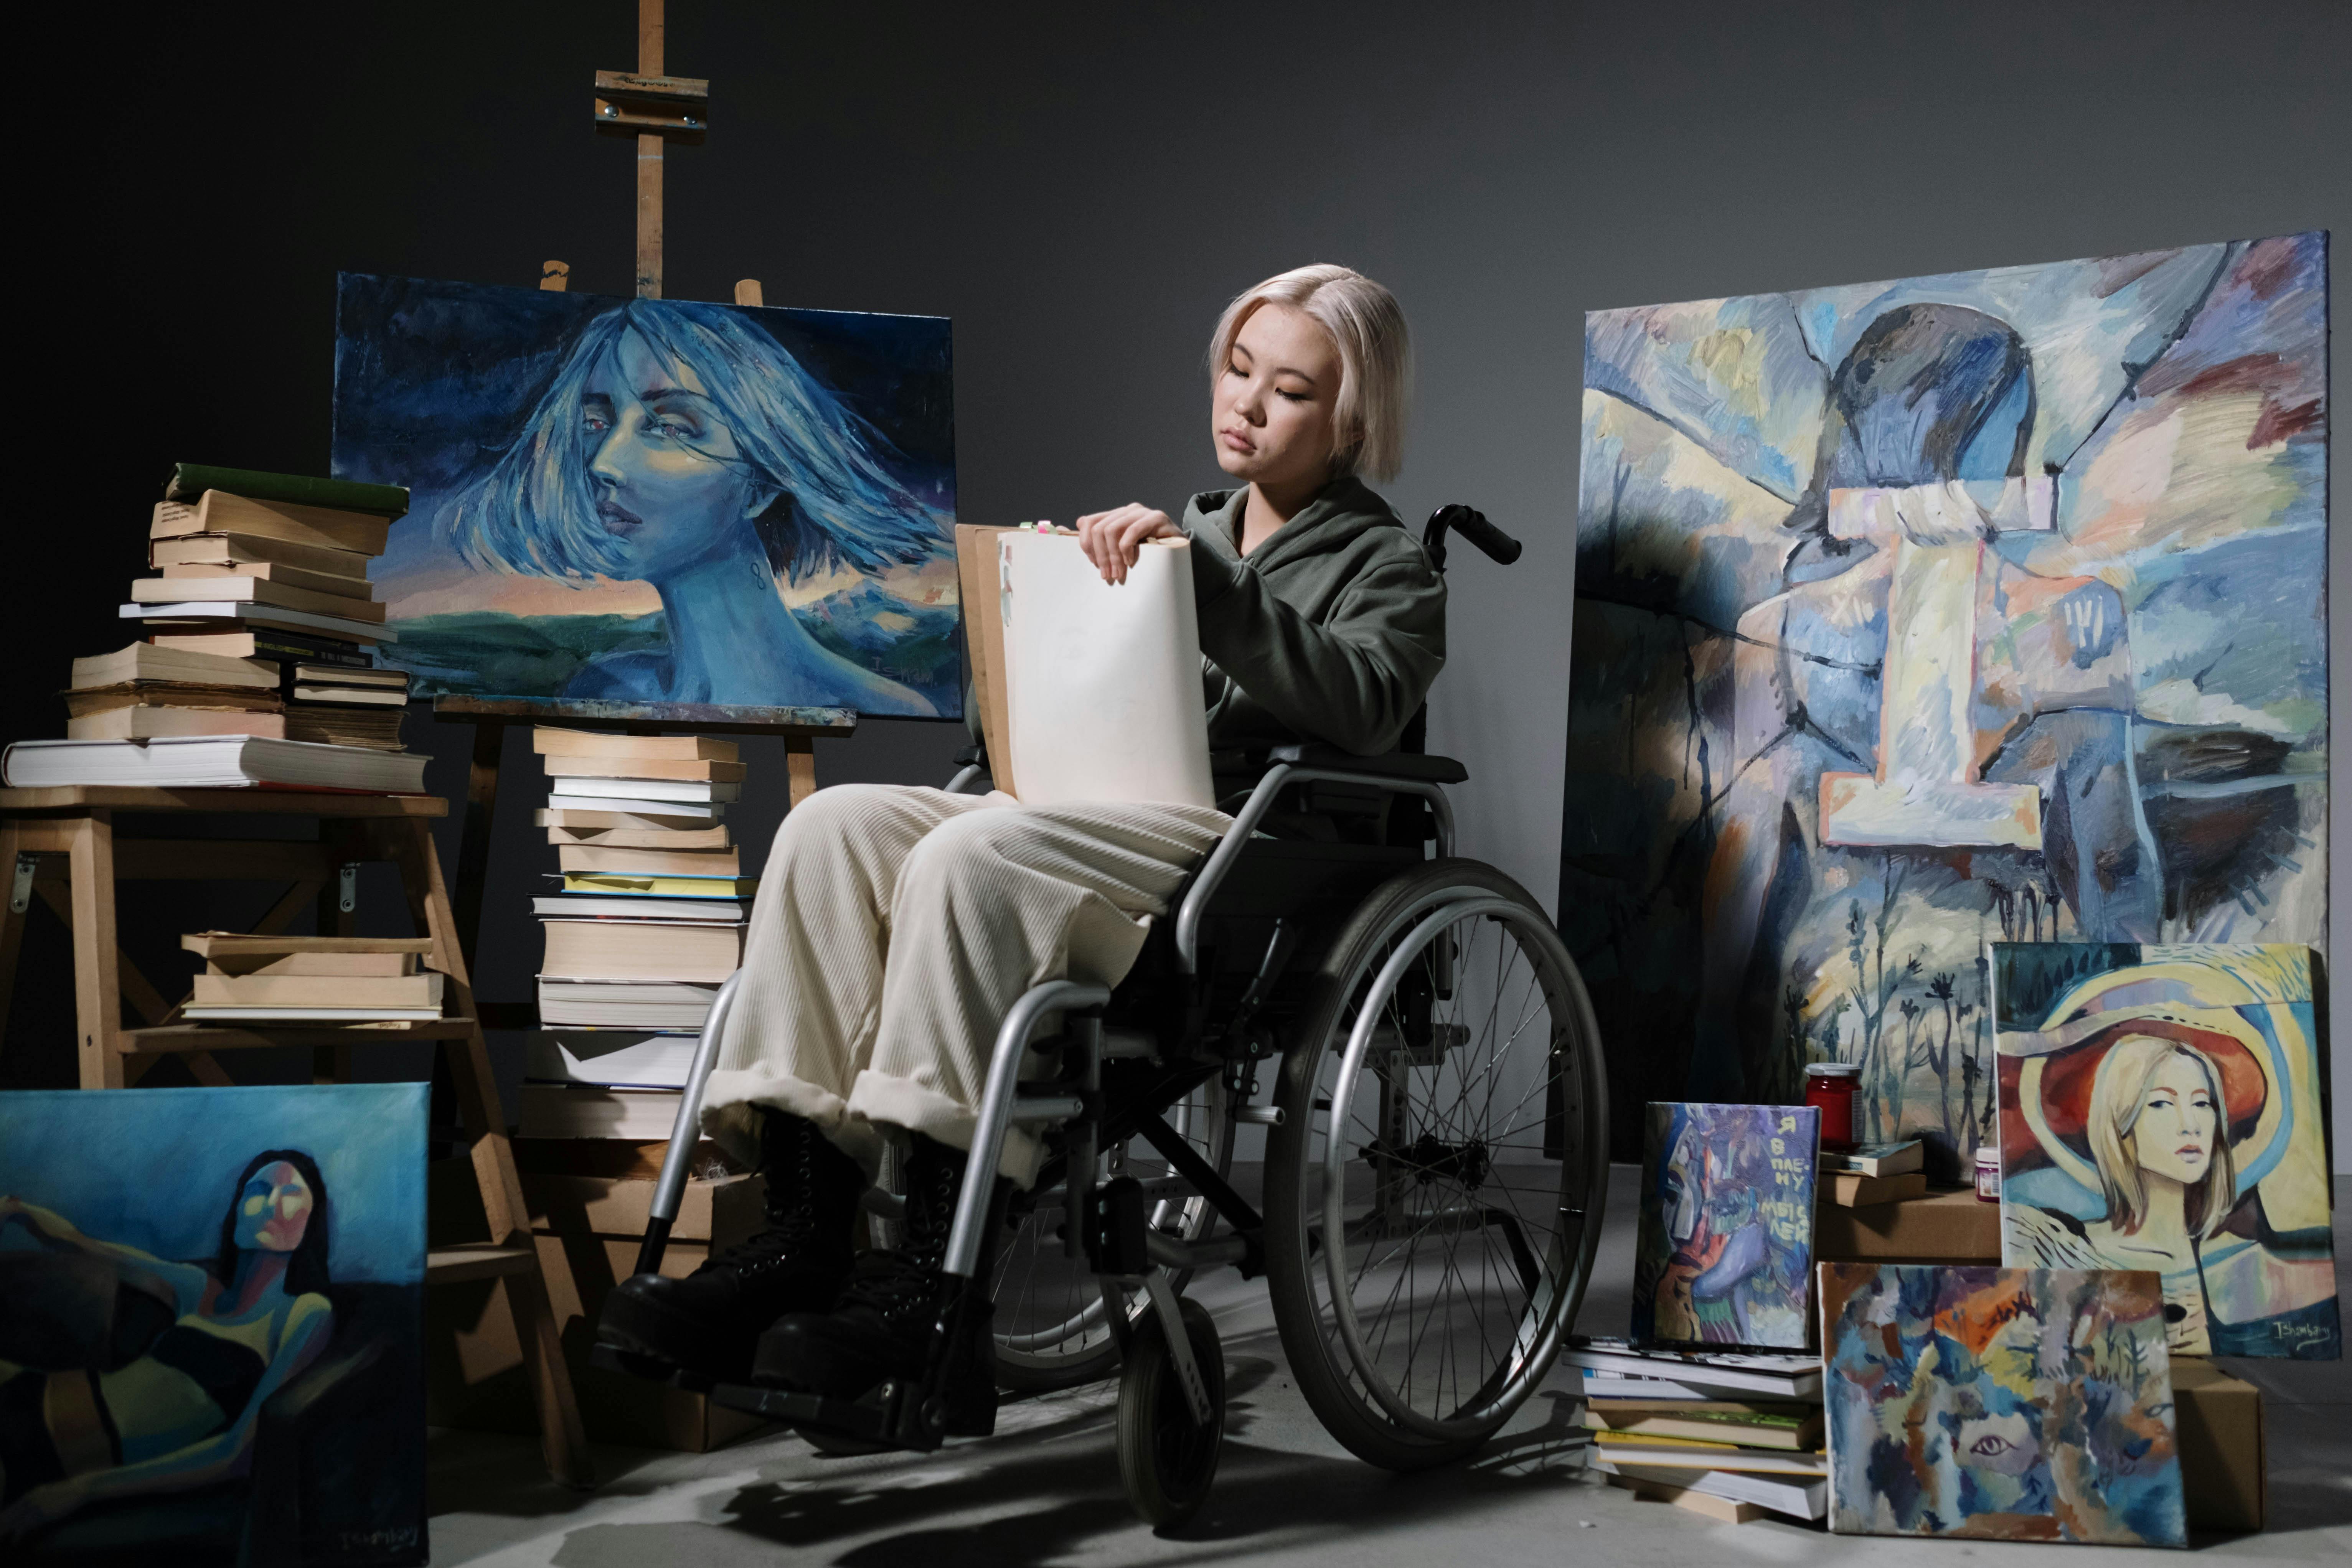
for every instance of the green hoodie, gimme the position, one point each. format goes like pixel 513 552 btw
pixel 1331 630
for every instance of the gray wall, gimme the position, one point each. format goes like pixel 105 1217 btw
pixel 1082 189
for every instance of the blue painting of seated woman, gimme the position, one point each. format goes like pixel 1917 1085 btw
pixel 645 501
pixel 209 1324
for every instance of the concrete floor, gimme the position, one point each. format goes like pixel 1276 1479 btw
pixel 1045 1489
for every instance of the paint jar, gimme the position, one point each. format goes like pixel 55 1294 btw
pixel 1989 1173
pixel 1830 1088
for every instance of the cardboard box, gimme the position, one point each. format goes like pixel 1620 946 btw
pixel 1941 1227
pixel 474 1374
pixel 2224 1467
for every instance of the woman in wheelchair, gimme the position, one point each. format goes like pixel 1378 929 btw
pixel 897 925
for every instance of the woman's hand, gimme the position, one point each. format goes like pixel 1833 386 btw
pixel 1112 539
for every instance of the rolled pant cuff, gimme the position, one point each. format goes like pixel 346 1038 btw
pixel 729 1100
pixel 918 1108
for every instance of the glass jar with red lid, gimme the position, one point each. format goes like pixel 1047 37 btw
pixel 1830 1087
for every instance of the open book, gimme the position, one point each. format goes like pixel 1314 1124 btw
pixel 1087 691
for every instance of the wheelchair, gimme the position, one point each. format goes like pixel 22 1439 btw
pixel 1435 1157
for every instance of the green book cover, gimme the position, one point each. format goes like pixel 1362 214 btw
pixel 190 480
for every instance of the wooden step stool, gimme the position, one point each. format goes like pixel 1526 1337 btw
pixel 59 845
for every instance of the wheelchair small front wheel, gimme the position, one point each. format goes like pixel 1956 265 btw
pixel 1167 1460
pixel 1433 1191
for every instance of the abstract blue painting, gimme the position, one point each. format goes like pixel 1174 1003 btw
pixel 646 501
pixel 1911 616
pixel 211 1324
pixel 2000 1404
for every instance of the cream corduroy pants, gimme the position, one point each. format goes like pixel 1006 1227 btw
pixel 895 926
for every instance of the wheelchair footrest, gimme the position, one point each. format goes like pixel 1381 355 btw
pixel 611 1359
pixel 891 1415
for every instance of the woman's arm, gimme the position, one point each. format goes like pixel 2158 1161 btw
pixel 1355 681
pixel 199 1464
pixel 183 1282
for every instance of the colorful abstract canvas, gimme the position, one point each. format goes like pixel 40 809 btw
pixel 211 1324
pixel 2007 1404
pixel 1723 1254
pixel 2160 1108
pixel 657 502
pixel 1911 616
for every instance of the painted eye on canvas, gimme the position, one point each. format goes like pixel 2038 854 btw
pixel 1991 1445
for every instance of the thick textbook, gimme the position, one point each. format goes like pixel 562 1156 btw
pixel 602 854
pixel 1689 1453
pixel 318 991
pixel 146 661
pixel 266 644
pixel 662 812
pixel 257 591
pixel 641 885
pixel 1799 1429
pixel 278 572
pixel 154 721
pixel 624 1003
pixel 1789 1376
pixel 601 820
pixel 210 761
pixel 199 616
pixel 553 740
pixel 240 549
pixel 190 480
pixel 641 950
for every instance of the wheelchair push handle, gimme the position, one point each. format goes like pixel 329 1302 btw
pixel 1472 525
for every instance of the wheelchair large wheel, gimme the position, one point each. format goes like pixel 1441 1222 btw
pixel 1434 1191
pixel 1051 1328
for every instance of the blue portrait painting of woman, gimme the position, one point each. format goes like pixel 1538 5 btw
pixel 656 501
pixel 210 1321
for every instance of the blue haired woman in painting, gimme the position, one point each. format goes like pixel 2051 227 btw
pixel 682 446
pixel 123 1373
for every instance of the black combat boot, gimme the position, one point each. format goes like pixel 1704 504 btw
pixel 708 1321
pixel 881 1327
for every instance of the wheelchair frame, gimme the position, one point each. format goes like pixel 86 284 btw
pixel 911 1414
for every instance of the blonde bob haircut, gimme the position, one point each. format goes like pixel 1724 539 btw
pixel 1367 326
pixel 2118 1089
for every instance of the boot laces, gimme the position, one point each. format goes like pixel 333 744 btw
pixel 902 1284
pixel 793 1229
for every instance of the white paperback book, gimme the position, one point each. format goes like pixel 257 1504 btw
pixel 703 790
pixel 260 615
pixel 698 811
pixel 617 1058
pixel 1103 697
pixel 212 762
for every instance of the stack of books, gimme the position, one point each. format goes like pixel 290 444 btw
pixel 258 670
pixel 142 691
pixel 273 566
pixel 312 980
pixel 1873 1173
pixel 647 925
pixel 1735 1428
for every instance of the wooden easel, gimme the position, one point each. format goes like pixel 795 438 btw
pixel 654 109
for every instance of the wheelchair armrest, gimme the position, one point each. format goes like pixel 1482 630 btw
pixel 1388 766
